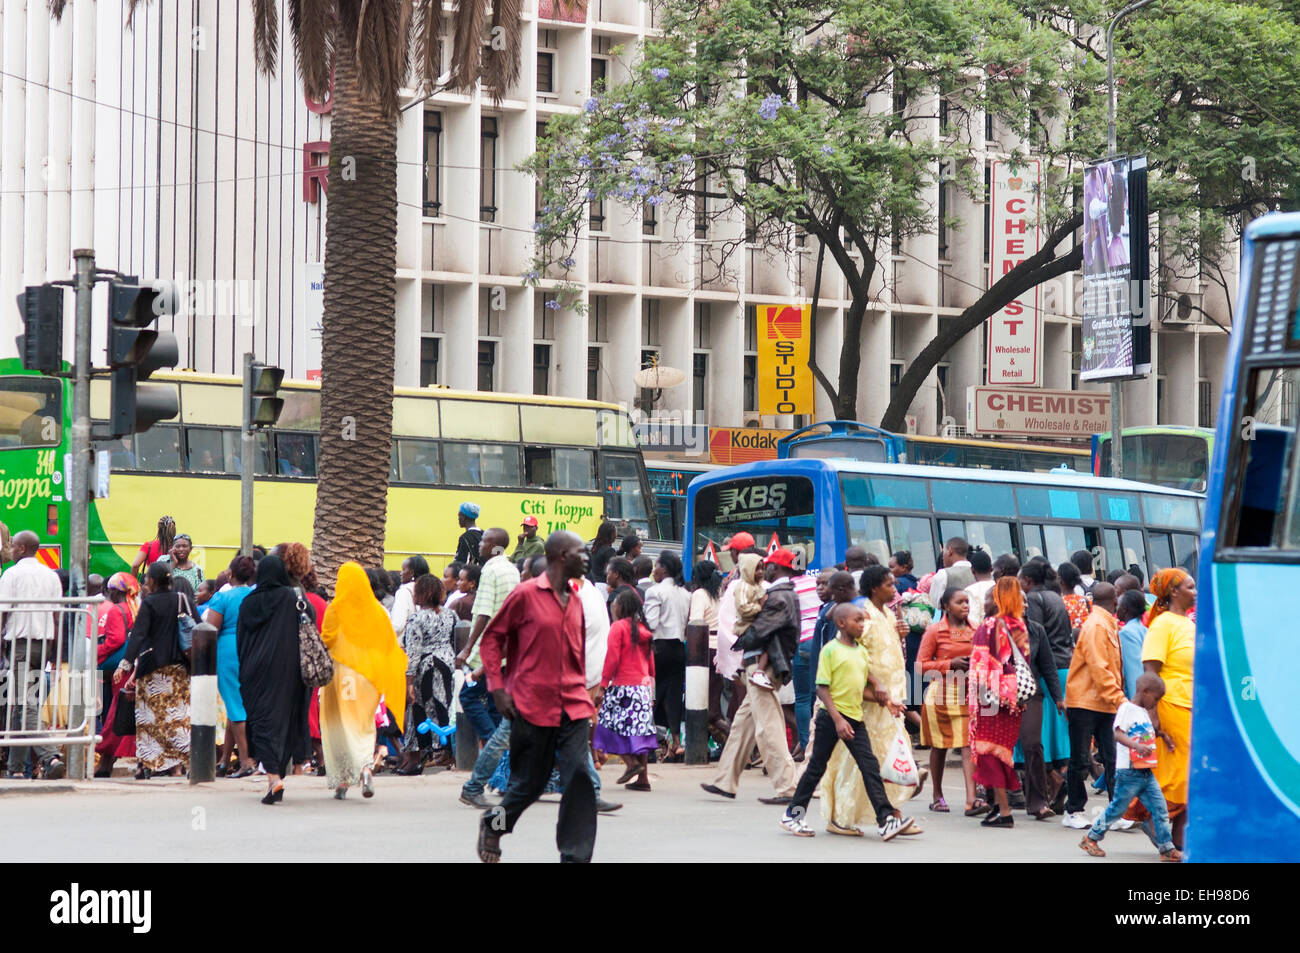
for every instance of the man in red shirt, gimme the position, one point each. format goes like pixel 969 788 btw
pixel 539 631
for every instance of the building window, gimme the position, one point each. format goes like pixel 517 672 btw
pixel 1160 400
pixel 540 189
pixel 750 374
pixel 896 236
pixel 487 363
pixel 541 368
pixel 988 210
pixel 430 348
pixel 943 219
pixel 701 203
pixel 546 43
pixel 650 323
pixel 1204 404
pixel 487 189
pixel 599 73
pixel 703 325
pixel 1076 354
pixel 649 218
pixel 988 126
pixel 895 376
pixel 699 385
pixel 598 319
pixel 597 215
pixel 945 122
pixel 593 373
pixel 751 228
pixel 432 163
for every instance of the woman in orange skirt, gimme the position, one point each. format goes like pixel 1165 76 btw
pixel 945 718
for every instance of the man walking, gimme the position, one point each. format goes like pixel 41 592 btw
pixel 1094 691
pixel 759 716
pixel 28 643
pixel 528 543
pixel 539 632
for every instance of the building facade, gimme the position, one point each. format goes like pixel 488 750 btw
pixel 164 149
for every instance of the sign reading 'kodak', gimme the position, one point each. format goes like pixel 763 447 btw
pixel 785 382
pixel 732 445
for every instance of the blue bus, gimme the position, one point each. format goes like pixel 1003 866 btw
pixel 821 507
pixel 1164 454
pixel 1244 798
pixel 857 441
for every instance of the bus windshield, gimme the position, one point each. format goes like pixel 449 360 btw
pixel 31 412
pixel 1178 460
pixel 780 507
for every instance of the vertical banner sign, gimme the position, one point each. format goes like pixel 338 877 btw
pixel 1116 312
pixel 1015 334
pixel 314 296
pixel 785 382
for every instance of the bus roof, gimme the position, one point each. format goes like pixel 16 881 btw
pixel 1163 428
pixel 1002 444
pixel 813 465
pixel 195 377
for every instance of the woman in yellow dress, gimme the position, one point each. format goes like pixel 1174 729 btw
pixel 1168 651
pixel 845 804
pixel 368 665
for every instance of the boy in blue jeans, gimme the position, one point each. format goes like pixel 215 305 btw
pixel 1135 756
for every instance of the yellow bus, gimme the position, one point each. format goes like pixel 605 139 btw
pixel 569 463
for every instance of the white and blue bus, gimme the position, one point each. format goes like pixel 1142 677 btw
pixel 821 507
pixel 1244 797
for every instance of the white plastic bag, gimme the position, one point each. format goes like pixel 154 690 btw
pixel 898 766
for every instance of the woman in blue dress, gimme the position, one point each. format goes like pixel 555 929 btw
pixel 223 614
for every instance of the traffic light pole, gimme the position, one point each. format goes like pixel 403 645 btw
pixel 246 463
pixel 79 493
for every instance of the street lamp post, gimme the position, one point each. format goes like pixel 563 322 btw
pixel 1116 388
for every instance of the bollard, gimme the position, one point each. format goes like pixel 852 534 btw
pixel 697 693
pixel 203 704
pixel 466 738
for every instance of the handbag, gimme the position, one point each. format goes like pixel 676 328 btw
pixel 314 662
pixel 184 624
pixel 1026 684
pixel 124 708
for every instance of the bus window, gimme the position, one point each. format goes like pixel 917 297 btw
pixel 158 449
pixel 780 506
pixel 1162 552
pixel 392 464
pixel 844 448
pixel 295 454
pixel 1061 541
pixel 1033 542
pixel 31 412
pixel 261 456
pixel 416 461
pixel 1122 548
pixel 1185 551
pixel 1176 511
pixel 559 468
pixel 1119 507
pixel 1258 465
pixel 481 464
pixel 977 498
pixel 869 533
pixel 916 535
pixel 1061 503
pixel 995 538
pixel 204 450
pixel 876 492
pixel 1165 459
pixel 122 451
pixel 624 498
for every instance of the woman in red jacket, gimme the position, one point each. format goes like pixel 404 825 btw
pixel 626 697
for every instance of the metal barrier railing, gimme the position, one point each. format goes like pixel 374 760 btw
pixel 49 680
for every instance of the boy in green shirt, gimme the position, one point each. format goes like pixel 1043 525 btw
pixel 842 683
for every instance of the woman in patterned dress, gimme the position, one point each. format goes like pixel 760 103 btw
pixel 626 697
pixel 429 641
pixel 945 718
pixel 162 677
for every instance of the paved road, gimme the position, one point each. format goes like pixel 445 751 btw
pixel 420 819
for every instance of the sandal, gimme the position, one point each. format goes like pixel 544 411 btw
pixel 1091 848
pixel 629 774
pixel 489 844
pixel 1174 856
pixel 639 786
pixel 1044 814
pixel 978 806
pixel 940 806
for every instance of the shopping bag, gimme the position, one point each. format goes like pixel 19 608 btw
pixel 54 710
pixel 898 766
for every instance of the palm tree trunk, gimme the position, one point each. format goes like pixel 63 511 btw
pixel 357 350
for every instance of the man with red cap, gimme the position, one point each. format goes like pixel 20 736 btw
pixel 529 543
pixel 775 630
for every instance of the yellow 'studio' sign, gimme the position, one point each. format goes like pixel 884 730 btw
pixel 785 382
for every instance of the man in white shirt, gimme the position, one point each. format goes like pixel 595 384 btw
pixel 1083 562
pixel 28 643
pixel 956 570
pixel 413 568
pixel 981 566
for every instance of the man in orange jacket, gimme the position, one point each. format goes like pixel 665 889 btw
pixel 1094 690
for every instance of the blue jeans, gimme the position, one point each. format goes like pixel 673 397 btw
pixel 803 690
pixel 479 710
pixel 1137 783
pixel 490 757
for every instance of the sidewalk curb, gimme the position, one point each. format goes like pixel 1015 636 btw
pixel 37 787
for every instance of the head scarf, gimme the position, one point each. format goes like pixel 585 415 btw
pixel 1163 585
pixel 359 633
pixel 469 510
pixel 269 598
pixel 125 582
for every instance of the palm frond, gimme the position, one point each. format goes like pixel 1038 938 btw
pixel 312 25
pixel 502 69
pixel 427 42
pixel 266 35
pixel 467 47
pixel 57 7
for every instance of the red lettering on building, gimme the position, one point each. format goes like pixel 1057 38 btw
pixel 315 170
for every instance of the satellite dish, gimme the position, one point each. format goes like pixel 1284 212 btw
pixel 658 377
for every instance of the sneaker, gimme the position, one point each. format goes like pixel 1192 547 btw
pixel 1123 824
pixel 761 680
pixel 55 770
pixel 1076 819
pixel 893 827
pixel 796 826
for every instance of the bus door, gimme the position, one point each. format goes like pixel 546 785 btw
pixel 1058 541
pixel 1120 549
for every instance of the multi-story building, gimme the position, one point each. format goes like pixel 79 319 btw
pixel 164 149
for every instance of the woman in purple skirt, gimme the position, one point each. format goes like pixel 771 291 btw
pixel 627 697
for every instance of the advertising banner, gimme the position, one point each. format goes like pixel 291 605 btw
pixel 785 382
pixel 1116 322
pixel 1015 334
pixel 1013 412
pixel 732 445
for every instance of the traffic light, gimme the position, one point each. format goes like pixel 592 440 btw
pixel 263 405
pixel 135 351
pixel 41 344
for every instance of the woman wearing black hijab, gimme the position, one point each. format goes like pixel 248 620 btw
pixel 270 681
